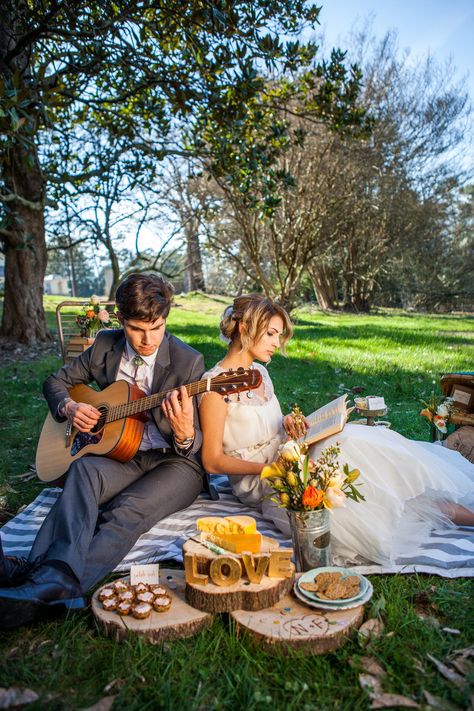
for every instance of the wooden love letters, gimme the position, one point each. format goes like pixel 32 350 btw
pixel 222 583
pixel 227 570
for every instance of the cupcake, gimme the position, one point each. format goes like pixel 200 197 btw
pixel 146 596
pixel 127 596
pixel 142 610
pixel 124 607
pixel 162 604
pixel 106 594
pixel 110 603
pixel 141 587
pixel 158 590
pixel 120 586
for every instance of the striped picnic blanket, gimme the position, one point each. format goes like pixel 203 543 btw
pixel 449 551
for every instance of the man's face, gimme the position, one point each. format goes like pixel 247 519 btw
pixel 144 336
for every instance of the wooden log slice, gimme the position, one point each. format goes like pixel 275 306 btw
pixel 291 624
pixel 180 620
pixel 243 595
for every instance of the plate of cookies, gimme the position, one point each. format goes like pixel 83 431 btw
pixel 333 588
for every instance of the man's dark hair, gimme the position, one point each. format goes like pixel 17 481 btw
pixel 144 297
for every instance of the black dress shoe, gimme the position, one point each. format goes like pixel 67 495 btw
pixel 13 571
pixel 46 589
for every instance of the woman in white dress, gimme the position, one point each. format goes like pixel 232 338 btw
pixel 408 486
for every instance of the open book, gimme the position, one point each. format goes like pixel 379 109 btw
pixel 328 420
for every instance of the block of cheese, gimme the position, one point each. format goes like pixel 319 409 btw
pixel 228 524
pixel 237 542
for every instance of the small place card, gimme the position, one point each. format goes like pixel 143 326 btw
pixel 149 574
pixel 461 396
pixel 375 403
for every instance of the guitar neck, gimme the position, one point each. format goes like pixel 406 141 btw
pixel 142 404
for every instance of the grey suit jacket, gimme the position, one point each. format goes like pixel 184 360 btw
pixel 176 364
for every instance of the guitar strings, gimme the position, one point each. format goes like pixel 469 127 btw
pixel 148 402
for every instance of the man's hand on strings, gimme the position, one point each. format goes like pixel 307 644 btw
pixel 178 410
pixel 81 415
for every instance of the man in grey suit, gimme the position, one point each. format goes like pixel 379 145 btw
pixel 106 505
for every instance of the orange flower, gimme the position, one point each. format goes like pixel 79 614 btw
pixel 90 313
pixel 312 497
pixel 427 413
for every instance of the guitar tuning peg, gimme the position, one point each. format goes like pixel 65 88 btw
pixel 240 370
pixel 238 396
pixel 226 398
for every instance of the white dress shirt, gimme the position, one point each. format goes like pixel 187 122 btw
pixel 143 378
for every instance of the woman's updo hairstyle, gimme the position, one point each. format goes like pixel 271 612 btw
pixel 254 312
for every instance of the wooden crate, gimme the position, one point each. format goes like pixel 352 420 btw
pixel 75 346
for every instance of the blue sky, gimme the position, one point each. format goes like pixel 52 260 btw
pixel 445 28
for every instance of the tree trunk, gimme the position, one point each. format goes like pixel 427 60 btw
pixel 324 285
pixel 25 246
pixel 194 277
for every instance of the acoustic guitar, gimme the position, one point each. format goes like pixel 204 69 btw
pixel 119 431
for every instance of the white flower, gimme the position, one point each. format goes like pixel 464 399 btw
pixel 290 451
pixel 442 410
pixel 94 299
pixel 334 498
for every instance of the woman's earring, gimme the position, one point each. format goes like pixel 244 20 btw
pixel 249 394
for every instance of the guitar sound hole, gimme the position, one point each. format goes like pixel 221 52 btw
pixel 101 421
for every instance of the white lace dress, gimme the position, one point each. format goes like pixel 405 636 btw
pixel 403 481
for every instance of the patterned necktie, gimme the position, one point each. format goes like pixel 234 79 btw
pixel 137 362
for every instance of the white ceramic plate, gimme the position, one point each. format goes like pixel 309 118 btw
pixel 309 576
pixel 320 605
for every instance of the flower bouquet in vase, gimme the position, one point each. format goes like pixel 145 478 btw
pixel 437 411
pixel 309 490
pixel 95 318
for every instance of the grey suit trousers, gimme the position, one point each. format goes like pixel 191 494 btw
pixel 106 505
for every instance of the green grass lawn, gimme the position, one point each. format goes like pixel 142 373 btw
pixel 71 665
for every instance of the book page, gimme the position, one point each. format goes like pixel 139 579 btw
pixel 323 428
pixel 334 407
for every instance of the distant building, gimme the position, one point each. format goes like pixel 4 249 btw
pixel 56 284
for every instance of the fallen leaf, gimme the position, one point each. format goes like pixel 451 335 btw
pixel 14 696
pixel 371 666
pixel 464 666
pixel 104 704
pixel 114 684
pixel 448 673
pixel 371 628
pixel 440 704
pixel 465 653
pixel 371 684
pixel 386 701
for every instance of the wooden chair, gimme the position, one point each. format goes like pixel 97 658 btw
pixel 461 386
pixel 70 339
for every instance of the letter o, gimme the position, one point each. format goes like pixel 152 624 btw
pixel 220 576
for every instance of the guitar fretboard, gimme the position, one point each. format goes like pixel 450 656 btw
pixel 148 402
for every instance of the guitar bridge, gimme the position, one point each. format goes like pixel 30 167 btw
pixel 68 434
